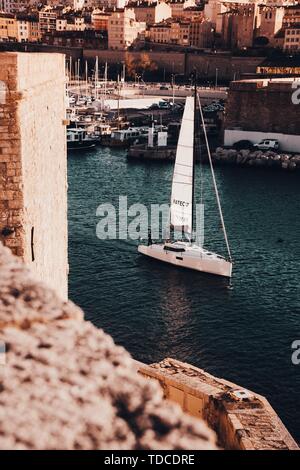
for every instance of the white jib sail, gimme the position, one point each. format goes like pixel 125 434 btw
pixel 182 188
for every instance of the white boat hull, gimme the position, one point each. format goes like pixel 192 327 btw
pixel 192 257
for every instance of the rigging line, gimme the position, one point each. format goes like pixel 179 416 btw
pixel 214 181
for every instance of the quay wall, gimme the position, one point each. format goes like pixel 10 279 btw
pixel 33 163
pixel 182 63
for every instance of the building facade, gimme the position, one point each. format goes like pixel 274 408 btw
pixel 240 22
pixel 123 29
pixel 27 28
pixel 47 20
pixel 151 12
pixel 8 27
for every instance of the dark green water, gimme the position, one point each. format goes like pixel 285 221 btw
pixel 155 310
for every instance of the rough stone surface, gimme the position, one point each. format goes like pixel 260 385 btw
pixel 66 385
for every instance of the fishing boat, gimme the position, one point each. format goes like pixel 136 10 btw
pixel 79 139
pixel 186 252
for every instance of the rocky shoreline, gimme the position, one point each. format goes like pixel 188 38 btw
pixel 257 158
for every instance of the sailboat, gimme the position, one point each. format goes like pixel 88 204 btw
pixel 189 254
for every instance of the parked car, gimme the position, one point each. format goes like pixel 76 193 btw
pixel 164 105
pixel 243 145
pixel 267 144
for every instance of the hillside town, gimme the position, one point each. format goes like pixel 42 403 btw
pixel 241 25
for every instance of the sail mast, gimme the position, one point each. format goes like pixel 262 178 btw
pixel 214 181
pixel 194 158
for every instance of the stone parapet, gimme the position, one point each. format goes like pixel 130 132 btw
pixel 243 420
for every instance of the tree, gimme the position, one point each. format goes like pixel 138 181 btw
pixel 145 64
pixel 130 65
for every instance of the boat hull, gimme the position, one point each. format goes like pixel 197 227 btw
pixel 192 258
pixel 81 146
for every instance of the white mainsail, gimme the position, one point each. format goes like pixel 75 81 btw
pixel 182 187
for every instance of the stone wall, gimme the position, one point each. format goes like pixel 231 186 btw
pixel 64 384
pixel 33 163
pixel 243 420
pixel 263 106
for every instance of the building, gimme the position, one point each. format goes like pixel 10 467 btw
pixel 280 66
pixel 192 14
pixel 240 22
pixel 263 108
pixel 170 32
pixel 123 29
pixel 99 19
pixel 177 7
pixel 27 28
pixel 202 34
pixel 291 15
pixel 180 33
pixel 151 12
pixel 87 39
pixel 159 33
pixel 8 27
pixel 213 12
pixel 47 20
pixel 271 21
pixel 71 23
pixel 292 38
pixel 111 4
pixel 13 6
pixel 80 4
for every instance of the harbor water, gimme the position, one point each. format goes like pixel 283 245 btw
pixel 243 334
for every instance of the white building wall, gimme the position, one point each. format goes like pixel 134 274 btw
pixel 287 142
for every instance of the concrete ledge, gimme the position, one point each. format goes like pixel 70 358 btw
pixel 243 420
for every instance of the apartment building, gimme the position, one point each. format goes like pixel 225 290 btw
pixel 8 27
pixel 177 7
pixel 100 19
pixel 13 6
pixel 292 38
pixel 47 20
pixel 202 34
pixel 159 33
pixel 151 12
pixel 27 28
pixel 71 23
pixel 123 29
